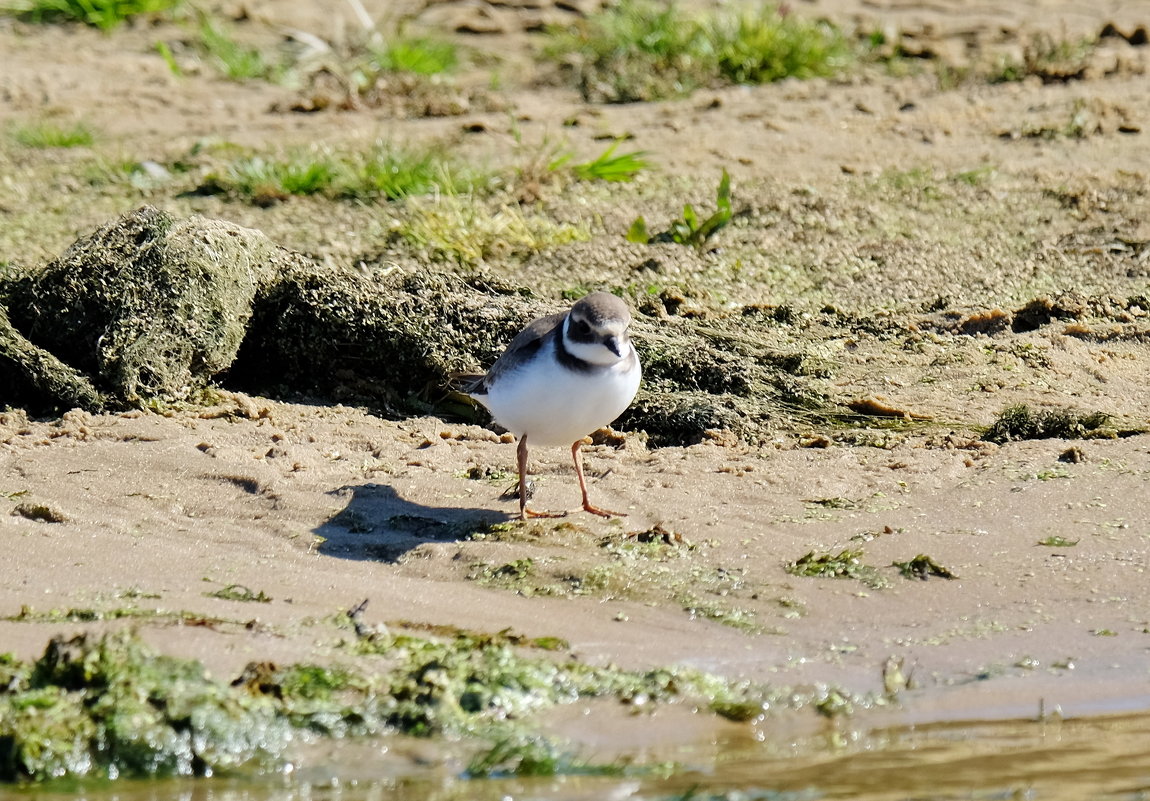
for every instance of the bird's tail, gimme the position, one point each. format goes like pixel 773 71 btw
pixel 467 383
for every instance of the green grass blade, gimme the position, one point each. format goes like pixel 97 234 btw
pixel 638 232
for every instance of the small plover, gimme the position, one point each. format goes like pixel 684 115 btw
pixel 561 378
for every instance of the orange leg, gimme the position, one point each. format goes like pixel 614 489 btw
pixel 524 512
pixel 576 455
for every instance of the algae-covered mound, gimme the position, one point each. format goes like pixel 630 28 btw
pixel 150 308
pixel 111 707
pixel 392 341
pixel 719 373
pixel 153 308
pixel 35 376
pixel 395 341
pixel 1019 422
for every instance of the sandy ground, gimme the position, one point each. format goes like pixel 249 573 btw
pixel 321 506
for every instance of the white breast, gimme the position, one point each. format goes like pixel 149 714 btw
pixel 553 405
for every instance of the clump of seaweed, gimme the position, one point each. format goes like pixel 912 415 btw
pixel 533 755
pixel 923 567
pixel 1020 422
pixel 847 563
pixel 687 419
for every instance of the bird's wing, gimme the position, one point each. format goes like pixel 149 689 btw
pixel 525 343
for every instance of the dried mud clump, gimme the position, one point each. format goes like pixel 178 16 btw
pixel 150 310
pixel 1044 310
pixel 1073 307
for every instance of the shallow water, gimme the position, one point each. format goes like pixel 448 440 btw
pixel 1096 758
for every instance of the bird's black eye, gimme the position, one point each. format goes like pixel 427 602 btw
pixel 579 330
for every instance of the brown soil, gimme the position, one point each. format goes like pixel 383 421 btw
pixel 851 195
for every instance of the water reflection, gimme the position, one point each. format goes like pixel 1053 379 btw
pixel 1099 758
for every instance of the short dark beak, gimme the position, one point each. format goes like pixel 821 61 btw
pixel 612 344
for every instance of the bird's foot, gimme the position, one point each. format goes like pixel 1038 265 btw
pixel 595 510
pixel 530 514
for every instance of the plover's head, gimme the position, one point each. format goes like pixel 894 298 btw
pixel 596 329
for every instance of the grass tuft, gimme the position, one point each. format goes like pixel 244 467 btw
pixel 1050 60
pixel 606 166
pixel 383 172
pixel 267 181
pixel 294 177
pixel 418 55
pixel 636 51
pixel 102 14
pixel 641 50
pixel 394 173
pixel 236 61
pixel 690 229
pixel 764 45
pixel 45 135
pixel 462 231
pixel 409 76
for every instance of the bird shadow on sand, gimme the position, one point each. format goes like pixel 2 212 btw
pixel 378 525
